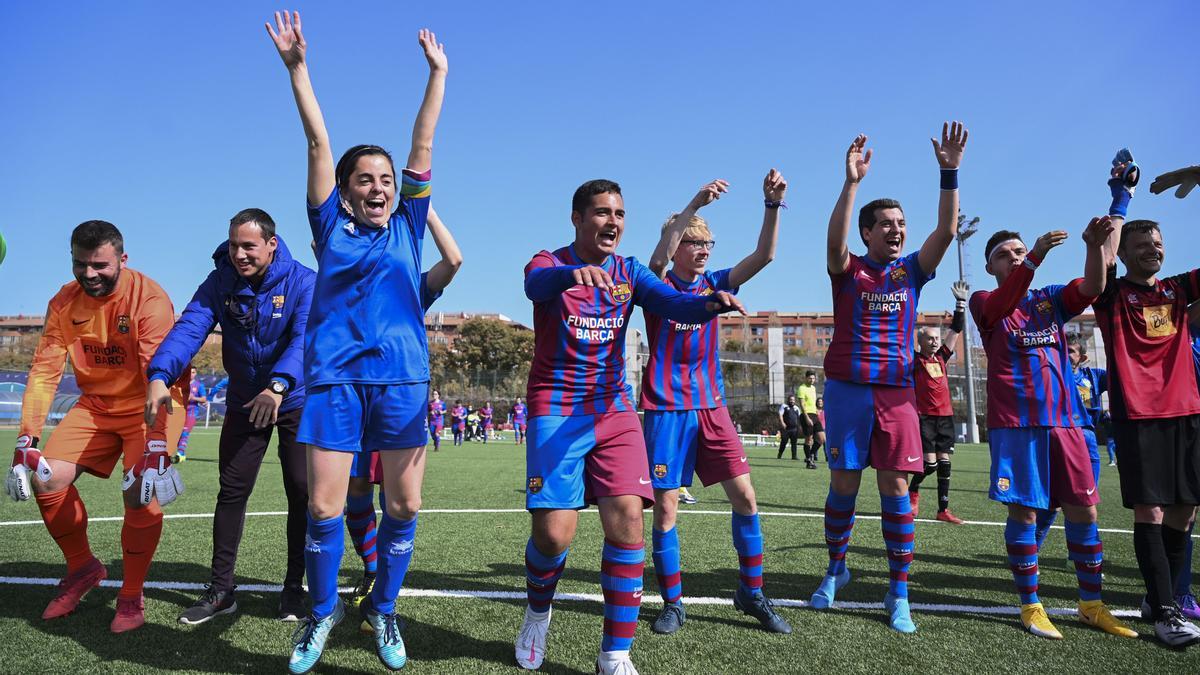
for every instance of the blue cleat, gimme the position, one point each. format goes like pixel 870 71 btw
pixel 830 585
pixel 900 618
pixel 389 646
pixel 309 640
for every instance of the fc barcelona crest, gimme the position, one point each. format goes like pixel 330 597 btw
pixel 535 484
pixel 705 291
pixel 834 451
pixel 899 274
pixel 660 470
pixel 1003 484
pixel 123 324
pixel 278 300
pixel 622 293
pixel 1044 307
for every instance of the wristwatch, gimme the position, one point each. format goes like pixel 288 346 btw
pixel 279 386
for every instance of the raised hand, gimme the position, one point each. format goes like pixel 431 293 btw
pixel 435 52
pixel 724 301
pixel 288 39
pixel 709 194
pixel 960 290
pixel 774 186
pixel 954 140
pixel 592 276
pixel 1098 230
pixel 1048 241
pixel 857 162
pixel 1186 178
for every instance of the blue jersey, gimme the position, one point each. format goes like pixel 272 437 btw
pixel 367 321
pixel 1090 383
pixel 683 372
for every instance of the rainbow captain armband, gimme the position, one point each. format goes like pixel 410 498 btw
pixel 414 185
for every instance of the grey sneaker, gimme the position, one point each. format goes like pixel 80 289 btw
pixel 1174 631
pixel 670 619
pixel 211 603
pixel 761 608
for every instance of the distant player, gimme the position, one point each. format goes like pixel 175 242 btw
pixel 871 405
pixel 519 420
pixel 1039 455
pixel 1155 402
pixel 366 357
pixel 687 425
pixel 458 422
pixel 585 442
pixel 197 396
pixel 108 322
pixel 806 396
pixel 485 420
pixel 934 407
pixel 437 419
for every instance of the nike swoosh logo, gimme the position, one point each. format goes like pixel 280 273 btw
pixel 80 323
pixel 743 460
pixel 643 481
pixel 912 459
pixel 1091 491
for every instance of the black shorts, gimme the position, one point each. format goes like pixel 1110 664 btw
pixel 812 423
pixel 937 434
pixel 1159 460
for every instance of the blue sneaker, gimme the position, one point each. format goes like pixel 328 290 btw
pixel 897 609
pixel 830 585
pixel 310 638
pixel 389 646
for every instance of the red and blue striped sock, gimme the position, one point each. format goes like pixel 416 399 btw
pixel 621 569
pixel 839 524
pixel 747 540
pixel 360 520
pixel 1085 550
pixel 1021 540
pixel 667 564
pixel 542 573
pixel 898 535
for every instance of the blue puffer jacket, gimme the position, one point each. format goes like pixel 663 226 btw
pixel 262 329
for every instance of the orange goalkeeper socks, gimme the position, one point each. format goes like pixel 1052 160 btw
pixel 66 519
pixel 139 539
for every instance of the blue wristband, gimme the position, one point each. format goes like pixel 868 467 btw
pixel 774 203
pixel 949 179
pixel 1121 197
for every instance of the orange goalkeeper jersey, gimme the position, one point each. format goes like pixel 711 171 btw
pixel 109 340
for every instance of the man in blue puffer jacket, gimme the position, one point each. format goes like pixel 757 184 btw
pixel 259 296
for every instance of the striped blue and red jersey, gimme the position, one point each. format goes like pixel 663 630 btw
pixel 518 413
pixel 579 331
pixel 874 321
pixel 437 410
pixel 1029 378
pixel 683 372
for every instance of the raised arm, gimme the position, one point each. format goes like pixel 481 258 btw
pixel 443 271
pixel 1001 302
pixel 420 155
pixel 949 156
pixel 657 296
pixel 290 43
pixel 774 190
pixel 1095 265
pixel 1122 180
pixel 669 241
pixel 958 323
pixel 837 250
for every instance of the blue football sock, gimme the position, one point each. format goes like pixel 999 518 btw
pixel 621 570
pixel 542 573
pixel 667 564
pixel 322 559
pixel 898 535
pixel 396 543
pixel 839 525
pixel 748 542
pixel 1085 550
pixel 1021 541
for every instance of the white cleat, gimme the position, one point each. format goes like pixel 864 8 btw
pixel 530 648
pixel 615 663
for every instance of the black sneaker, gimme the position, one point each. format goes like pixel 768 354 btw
pixel 363 589
pixel 670 619
pixel 291 603
pixel 211 603
pixel 759 607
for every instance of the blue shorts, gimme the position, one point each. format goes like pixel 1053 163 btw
pixel 872 425
pixel 356 417
pixel 1089 436
pixel 573 461
pixel 1041 467
pixel 682 442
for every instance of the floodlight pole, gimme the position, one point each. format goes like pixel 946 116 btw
pixel 965 233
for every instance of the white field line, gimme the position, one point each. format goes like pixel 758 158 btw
pixel 694 512
pixel 577 597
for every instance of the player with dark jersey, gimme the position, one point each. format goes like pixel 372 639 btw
pixel 687 426
pixel 585 443
pixel 870 402
pixel 1040 459
pixel 934 407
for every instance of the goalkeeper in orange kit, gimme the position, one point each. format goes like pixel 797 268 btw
pixel 109 322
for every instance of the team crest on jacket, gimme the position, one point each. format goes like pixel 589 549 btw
pixel 621 293
pixel 1045 307
pixel 899 274
pixel 123 324
pixel 1003 484
pixel 278 300
pixel 834 451
pixel 535 484
pixel 660 470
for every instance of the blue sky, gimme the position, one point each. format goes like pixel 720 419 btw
pixel 167 118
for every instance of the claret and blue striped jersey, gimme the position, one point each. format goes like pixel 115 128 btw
pixel 579 331
pixel 874 321
pixel 1029 377
pixel 683 372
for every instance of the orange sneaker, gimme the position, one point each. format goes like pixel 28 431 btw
pixel 131 614
pixel 73 588
pixel 947 517
pixel 914 500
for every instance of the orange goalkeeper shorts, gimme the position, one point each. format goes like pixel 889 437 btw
pixel 95 441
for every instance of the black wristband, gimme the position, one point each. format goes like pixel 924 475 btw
pixel 949 179
pixel 959 322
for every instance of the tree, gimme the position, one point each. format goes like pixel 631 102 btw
pixel 491 344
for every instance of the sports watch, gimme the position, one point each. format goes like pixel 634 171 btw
pixel 279 386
